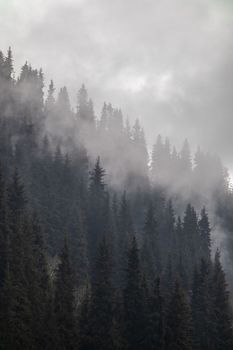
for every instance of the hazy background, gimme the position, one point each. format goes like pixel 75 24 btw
pixel 168 62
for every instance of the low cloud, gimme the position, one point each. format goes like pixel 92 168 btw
pixel 168 63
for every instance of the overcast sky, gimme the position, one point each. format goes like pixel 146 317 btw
pixel 168 62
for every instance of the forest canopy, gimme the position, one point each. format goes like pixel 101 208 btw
pixel 105 244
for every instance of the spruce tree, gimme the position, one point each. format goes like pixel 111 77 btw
pixel 150 249
pixel 40 292
pixel 204 232
pixel 156 318
pixel 64 302
pixel 16 200
pixel 96 208
pixel 50 101
pixel 191 238
pixel 202 309
pixel 19 330
pixel 125 231
pixel 222 312
pixel 101 316
pixel 134 322
pixel 85 338
pixel 4 230
pixel 8 65
pixel 178 332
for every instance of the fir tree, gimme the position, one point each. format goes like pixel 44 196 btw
pixel 101 316
pixel 222 313
pixel 8 65
pixel 204 232
pixel 64 302
pixel 96 206
pixel 178 333
pixel 135 323
pixel 4 230
pixel 202 310
pixel 150 250
pixel 156 318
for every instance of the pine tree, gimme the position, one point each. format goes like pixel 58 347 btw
pixel 104 118
pixel 79 251
pixel 101 316
pixel 4 253
pixel 18 332
pixel 125 231
pixel 202 310
pixel 204 232
pixel 96 179
pixel 150 250
pixel 139 147
pixel 178 332
pixel 64 302
pixel 96 206
pixel 156 318
pixel 185 159
pixel 191 238
pixel 16 200
pixel 167 233
pixel 50 101
pixel 85 338
pixel 134 323
pixel 40 289
pixel 85 112
pixel 8 65
pixel 222 313
pixel 4 230
pixel 63 102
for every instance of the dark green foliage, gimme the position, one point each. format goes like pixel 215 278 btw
pixel 16 200
pixel 135 321
pixel 101 312
pixel 99 292
pixel 64 302
pixel 4 230
pixel 178 332
pixel 96 208
pixel 85 339
pixel 222 313
pixel 124 233
pixel 150 249
pixel 202 309
pixel 204 232
pixel 156 318
pixel 191 238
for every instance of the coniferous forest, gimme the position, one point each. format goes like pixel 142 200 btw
pixel 106 244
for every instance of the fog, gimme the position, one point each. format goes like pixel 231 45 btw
pixel 167 63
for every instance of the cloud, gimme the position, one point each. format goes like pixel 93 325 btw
pixel 169 62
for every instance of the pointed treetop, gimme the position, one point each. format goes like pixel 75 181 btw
pixel 97 177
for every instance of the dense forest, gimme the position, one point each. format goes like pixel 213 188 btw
pixel 103 244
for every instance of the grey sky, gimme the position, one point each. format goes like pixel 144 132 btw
pixel 168 62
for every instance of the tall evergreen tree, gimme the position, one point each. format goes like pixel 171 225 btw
pixel 222 313
pixel 202 308
pixel 64 302
pixel 156 318
pixel 125 231
pixel 96 206
pixel 135 323
pixel 150 250
pixel 4 230
pixel 204 232
pixel 191 238
pixel 101 316
pixel 178 333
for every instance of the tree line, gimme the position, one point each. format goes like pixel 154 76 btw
pixel 86 265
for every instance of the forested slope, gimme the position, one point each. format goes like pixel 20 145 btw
pixel 103 246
